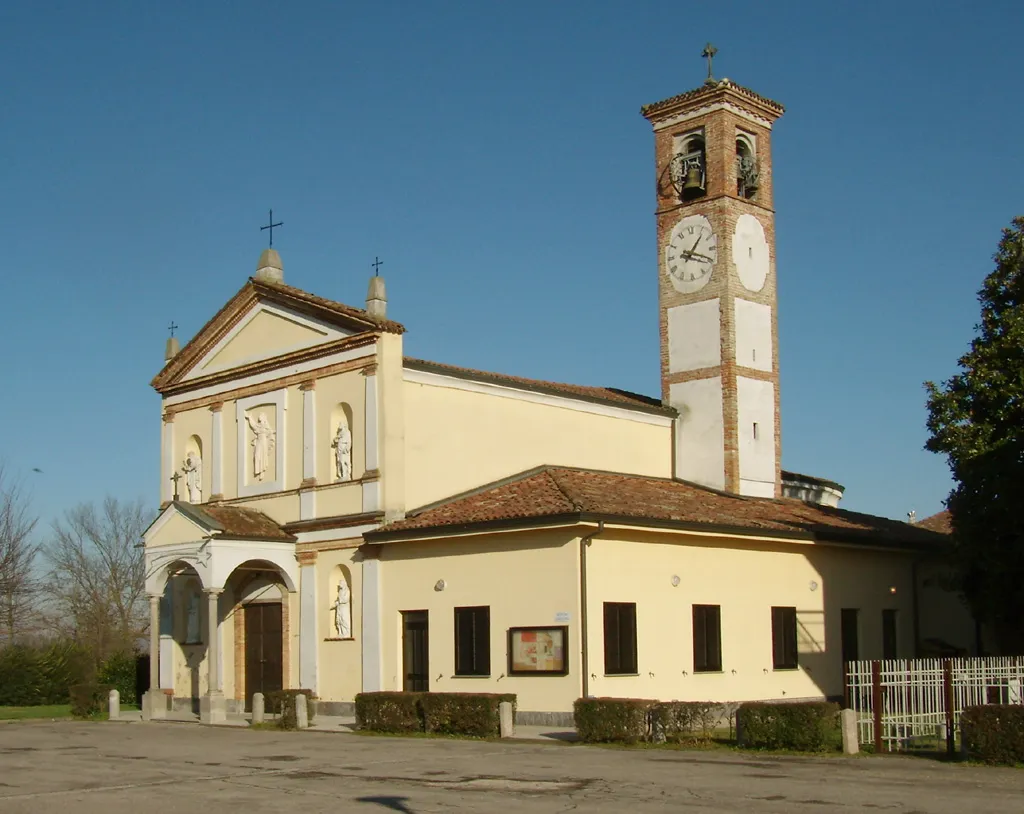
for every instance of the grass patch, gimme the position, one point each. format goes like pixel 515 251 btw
pixel 29 713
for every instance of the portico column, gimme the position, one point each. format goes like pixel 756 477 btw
pixel 154 703
pixel 212 706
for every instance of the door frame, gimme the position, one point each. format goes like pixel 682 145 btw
pixel 406 618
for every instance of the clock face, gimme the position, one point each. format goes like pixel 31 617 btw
pixel 750 252
pixel 691 254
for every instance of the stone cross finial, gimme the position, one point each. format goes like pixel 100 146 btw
pixel 377 263
pixel 709 54
pixel 175 477
pixel 172 328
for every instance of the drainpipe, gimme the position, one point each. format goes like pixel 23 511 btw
pixel 914 574
pixel 584 543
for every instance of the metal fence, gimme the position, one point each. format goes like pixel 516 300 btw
pixel 902 701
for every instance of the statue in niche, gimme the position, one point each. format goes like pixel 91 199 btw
pixel 193 469
pixel 342 444
pixel 192 629
pixel 343 611
pixel 262 444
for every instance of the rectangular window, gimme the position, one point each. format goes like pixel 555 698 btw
pixel 707 638
pixel 850 634
pixel 473 641
pixel 784 655
pixel 889 634
pixel 620 638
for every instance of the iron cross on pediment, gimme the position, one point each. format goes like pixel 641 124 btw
pixel 709 54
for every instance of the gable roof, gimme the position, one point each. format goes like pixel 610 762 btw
pixel 605 395
pixel 254 291
pixel 234 521
pixel 941 522
pixel 575 495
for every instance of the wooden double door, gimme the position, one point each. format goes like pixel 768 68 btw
pixel 264 663
pixel 415 650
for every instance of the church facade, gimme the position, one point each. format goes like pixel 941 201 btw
pixel 338 516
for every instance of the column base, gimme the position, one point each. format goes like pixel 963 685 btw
pixel 213 708
pixel 154 705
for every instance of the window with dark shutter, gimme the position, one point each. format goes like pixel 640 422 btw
pixel 784 656
pixel 889 648
pixel 473 641
pixel 620 638
pixel 707 638
pixel 850 634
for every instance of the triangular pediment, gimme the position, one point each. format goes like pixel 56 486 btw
pixel 176 525
pixel 265 331
pixel 265 321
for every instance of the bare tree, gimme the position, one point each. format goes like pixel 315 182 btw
pixel 97 576
pixel 19 585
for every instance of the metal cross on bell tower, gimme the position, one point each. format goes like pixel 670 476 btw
pixel 709 54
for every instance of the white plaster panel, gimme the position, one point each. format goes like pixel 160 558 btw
pixel 307 504
pixel 371 495
pixel 217 453
pixel 308 434
pixel 307 628
pixel 756 405
pixel 694 336
pixel 700 433
pixel 167 487
pixel 753 334
pixel 372 675
pixel 167 639
pixel 372 444
pixel 278 400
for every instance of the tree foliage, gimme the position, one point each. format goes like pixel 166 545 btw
pixel 976 419
pixel 97 576
pixel 19 586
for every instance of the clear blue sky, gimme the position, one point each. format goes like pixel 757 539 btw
pixel 493 155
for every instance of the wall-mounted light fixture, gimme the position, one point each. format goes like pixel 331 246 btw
pixel 892 589
pixel 814 585
pixel 440 585
pixel 675 580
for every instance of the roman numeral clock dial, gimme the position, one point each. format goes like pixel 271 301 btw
pixel 691 254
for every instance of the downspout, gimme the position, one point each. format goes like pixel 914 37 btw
pixel 916 609
pixel 584 626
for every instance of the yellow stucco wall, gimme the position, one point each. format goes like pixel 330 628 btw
pixel 456 440
pixel 177 529
pixel 525 579
pixel 266 334
pixel 339 661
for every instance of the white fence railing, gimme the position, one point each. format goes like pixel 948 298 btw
pixel 899 700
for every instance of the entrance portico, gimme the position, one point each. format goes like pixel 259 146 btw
pixel 196 563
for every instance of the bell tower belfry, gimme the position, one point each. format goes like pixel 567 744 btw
pixel 716 284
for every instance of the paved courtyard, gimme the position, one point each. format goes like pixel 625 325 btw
pixel 171 767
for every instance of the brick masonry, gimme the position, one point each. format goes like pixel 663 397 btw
pixel 723 112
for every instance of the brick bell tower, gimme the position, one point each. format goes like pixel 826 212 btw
pixel 716 284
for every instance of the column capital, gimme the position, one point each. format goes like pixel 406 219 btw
pixel 213 592
pixel 310 384
pixel 154 597
pixel 370 369
pixel 217 406
pixel 168 417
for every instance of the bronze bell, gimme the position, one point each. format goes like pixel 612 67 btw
pixel 693 182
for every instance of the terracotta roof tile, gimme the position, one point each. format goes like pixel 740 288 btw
pixel 298 296
pixel 236 521
pixel 709 90
pixel 600 394
pixel 553 491
pixel 941 522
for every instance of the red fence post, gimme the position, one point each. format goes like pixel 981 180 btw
pixel 950 700
pixel 876 702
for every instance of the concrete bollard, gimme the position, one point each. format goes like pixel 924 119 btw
pixel 506 721
pixel 301 712
pixel 851 740
pixel 940 733
pixel 114 705
pixel 258 714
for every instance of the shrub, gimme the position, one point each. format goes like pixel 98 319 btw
pixel 282 704
pixel 119 671
pixel 684 721
pixel 811 726
pixel 89 700
pixel 21 676
pixel 994 733
pixel 463 713
pixel 393 712
pixel 613 720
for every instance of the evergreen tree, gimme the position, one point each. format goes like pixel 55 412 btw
pixel 977 420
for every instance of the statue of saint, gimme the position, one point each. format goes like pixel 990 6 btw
pixel 193 469
pixel 342 444
pixel 262 444
pixel 343 611
pixel 192 629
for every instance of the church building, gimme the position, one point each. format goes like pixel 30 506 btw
pixel 338 516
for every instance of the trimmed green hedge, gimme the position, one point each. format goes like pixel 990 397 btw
pixel 90 700
pixel 684 721
pixel 119 670
pixel 447 713
pixel 994 733
pixel 31 676
pixel 811 726
pixel 282 704
pixel 613 720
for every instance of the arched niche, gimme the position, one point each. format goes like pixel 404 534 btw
pixel 746 166
pixel 192 615
pixel 342 443
pixel 340 603
pixel 192 469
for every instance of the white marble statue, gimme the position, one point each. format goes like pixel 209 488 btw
pixel 262 444
pixel 193 469
pixel 343 611
pixel 192 630
pixel 342 444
